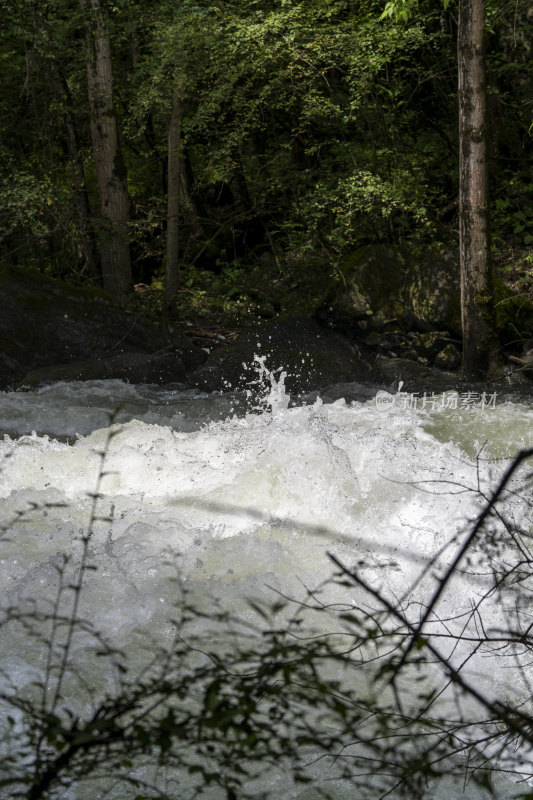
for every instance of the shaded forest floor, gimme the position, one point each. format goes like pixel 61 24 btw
pixel 212 309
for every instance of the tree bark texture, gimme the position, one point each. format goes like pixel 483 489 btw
pixel 109 165
pixel 173 198
pixel 477 304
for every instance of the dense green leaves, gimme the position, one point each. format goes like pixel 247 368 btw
pixel 309 128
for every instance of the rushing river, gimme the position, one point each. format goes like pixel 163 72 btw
pixel 241 503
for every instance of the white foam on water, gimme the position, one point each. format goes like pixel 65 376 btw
pixel 67 410
pixel 241 506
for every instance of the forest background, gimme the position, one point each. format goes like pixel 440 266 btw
pixel 248 147
pixel 236 154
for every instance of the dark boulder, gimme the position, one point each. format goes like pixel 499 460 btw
pixel 414 377
pixel 130 367
pixel 390 291
pixel 312 356
pixel 395 374
pixel 388 286
pixel 45 322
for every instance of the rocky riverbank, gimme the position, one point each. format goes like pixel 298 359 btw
pixel 391 318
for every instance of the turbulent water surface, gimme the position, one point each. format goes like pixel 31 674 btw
pixel 241 503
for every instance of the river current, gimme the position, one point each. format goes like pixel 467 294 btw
pixel 242 496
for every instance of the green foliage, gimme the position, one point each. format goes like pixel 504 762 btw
pixel 402 10
pixel 513 214
pixel 24 200
pixel 310 128
pixel 38 217
pixel 324 83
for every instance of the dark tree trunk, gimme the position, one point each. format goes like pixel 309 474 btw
pixel 89 250
pixel 110 169
pixel 173 199
pixel 477 302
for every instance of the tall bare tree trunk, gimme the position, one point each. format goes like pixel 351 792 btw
pixel 110 169
pixel 173 198
pixel 477 301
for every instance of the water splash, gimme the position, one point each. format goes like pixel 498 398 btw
pixel 268 390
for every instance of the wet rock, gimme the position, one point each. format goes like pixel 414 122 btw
pixel 45 322
pixel 313 358
pixel 400 374
pixel 413 376
pixel 129 367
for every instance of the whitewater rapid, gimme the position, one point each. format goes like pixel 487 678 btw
pixel 238 503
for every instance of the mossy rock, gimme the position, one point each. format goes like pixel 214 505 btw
pixel 403 287
pixel 449 358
